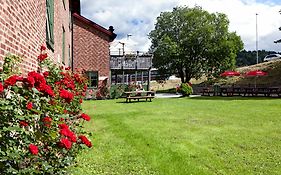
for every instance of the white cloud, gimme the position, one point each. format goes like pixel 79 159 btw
pixel 138 17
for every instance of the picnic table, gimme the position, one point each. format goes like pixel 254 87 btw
pixel 137 95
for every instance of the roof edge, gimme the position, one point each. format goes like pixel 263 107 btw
pixel 96 26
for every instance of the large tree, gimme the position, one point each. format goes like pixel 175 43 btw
pixel 191 42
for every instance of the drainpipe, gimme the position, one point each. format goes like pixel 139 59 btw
pixel 72 41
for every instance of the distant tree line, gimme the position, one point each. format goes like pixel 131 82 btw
pixel 246 58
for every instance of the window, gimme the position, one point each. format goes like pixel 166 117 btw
pixel 63 45
pixel 50 23
pixel 93 79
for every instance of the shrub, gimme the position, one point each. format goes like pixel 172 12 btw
pixel 185 89
pixel 41 127
pixel 103 90
pixel 116 91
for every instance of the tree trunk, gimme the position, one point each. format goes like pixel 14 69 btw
pixel 181 73
pixel 187 76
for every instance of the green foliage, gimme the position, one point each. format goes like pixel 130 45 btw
pixel 191 42
pixel 185 89
pixel 10 66
pixel 116 91
pixel 247 58
pixel 33 109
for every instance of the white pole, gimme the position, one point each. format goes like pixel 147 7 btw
pixel 257 39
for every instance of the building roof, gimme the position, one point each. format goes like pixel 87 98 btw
pixel 96 26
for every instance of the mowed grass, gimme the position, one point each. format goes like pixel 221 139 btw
pixel 202 135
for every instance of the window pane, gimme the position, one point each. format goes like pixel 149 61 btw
pixel 93 79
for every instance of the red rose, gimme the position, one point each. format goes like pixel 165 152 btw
pixel 68 96
pixel 67 68
pixel 63 126
pixel 30 81
pixel 48 90
pixel 42 48
pixel 72 136
pixel 12 80
pixel 47 121
pixel 1 88
pixel 46 74
pixel 64 131
pixel 33 149
pixel 65 143
pixel 85 141
pixel 78 78
pixel 42 57
pixel 29 105
pixel 80 100
pixel 23 123
pixel 85 117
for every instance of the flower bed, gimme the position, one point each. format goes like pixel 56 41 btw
pixel 41 127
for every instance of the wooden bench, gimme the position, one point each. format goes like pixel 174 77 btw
pixel 137 95
pixel 207 91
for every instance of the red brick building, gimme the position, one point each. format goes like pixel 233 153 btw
pixel 25 25
pixel 91 48
pixel 71 39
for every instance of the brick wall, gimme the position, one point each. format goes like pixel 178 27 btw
pixel 90 49
pixel 23 30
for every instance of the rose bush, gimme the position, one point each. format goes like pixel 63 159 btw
pixel 41 125
pixel 185 89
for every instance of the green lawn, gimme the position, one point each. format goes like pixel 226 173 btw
pixel 202 135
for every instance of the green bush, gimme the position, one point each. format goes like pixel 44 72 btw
pixel 116 91
pixel 185 89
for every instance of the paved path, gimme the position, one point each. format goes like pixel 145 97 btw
pixel 166 95
pixel 170 95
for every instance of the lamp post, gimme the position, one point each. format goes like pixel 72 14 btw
pixel 257 39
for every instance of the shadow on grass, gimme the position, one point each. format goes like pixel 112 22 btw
pixel 228 98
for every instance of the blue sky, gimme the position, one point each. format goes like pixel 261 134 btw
pixel 269 1
pixel 136 18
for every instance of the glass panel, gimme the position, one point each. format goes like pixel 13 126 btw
pixel 93 79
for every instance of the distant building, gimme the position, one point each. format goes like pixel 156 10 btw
pixel 91 49
pixel 131 68
pixel 26 25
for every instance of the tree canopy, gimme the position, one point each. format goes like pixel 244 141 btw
pixel 191 42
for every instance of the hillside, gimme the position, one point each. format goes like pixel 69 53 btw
pixel 273 68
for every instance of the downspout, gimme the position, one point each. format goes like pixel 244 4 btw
pixel 72 50
pixel 72 40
